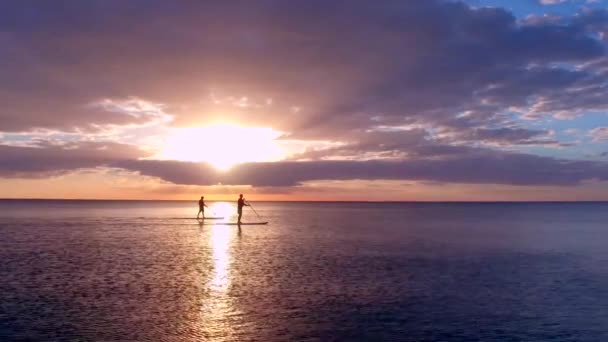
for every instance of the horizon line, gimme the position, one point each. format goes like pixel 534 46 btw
pixel 304 201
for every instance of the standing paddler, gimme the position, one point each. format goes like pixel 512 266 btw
pixel 201 207
pixel 240 204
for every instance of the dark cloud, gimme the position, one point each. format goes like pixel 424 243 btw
pixel 446 164
pixel 340 63
pixel 511 169
pixel 48 160
pixel 508 136
pixel 324 70
pixel 399 144
pixel 377 144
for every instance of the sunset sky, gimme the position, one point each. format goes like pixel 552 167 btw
pixel 304 100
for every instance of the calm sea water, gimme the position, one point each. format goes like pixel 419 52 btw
pixel 139 271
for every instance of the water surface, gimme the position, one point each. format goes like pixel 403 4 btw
pixel 112 270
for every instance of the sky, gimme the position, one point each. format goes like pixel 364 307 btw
pixel 392 100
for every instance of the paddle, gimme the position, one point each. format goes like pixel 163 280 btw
pixel 249 204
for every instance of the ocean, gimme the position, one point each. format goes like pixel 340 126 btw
pixel 146 271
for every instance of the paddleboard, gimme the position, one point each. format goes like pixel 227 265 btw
pixel 192 218
pixel 237 224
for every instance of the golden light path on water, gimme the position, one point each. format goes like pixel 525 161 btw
pixel 220 243
pixel 218 312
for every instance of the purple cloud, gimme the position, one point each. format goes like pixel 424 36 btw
pixel 551 2
pixel 49 160
pixel 444 164
pixel 511 169
pixel 418 61
pixel 599 134
pixel 428 85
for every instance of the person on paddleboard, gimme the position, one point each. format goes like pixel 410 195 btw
pixel 201 207
pixel 240 204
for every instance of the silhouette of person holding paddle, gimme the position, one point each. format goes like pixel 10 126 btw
pixel 240 204
pixel 201 207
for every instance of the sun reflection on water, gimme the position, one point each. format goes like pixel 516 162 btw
pixel 223 209
pixel 220 243
pixel 218 313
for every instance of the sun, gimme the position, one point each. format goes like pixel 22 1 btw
pixel 222 146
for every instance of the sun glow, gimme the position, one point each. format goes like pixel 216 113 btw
pixel 223 145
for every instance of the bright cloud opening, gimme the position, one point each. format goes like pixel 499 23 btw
pixel 222 145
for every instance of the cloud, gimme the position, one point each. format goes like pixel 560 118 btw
pixel 417 61
pixel 556 2
pixel 352 74
pixel 390 143
pixel 599 134
pixel 552 2
pixel 141 111
pixel 512 169
pixel 445 164
pixel 51 160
